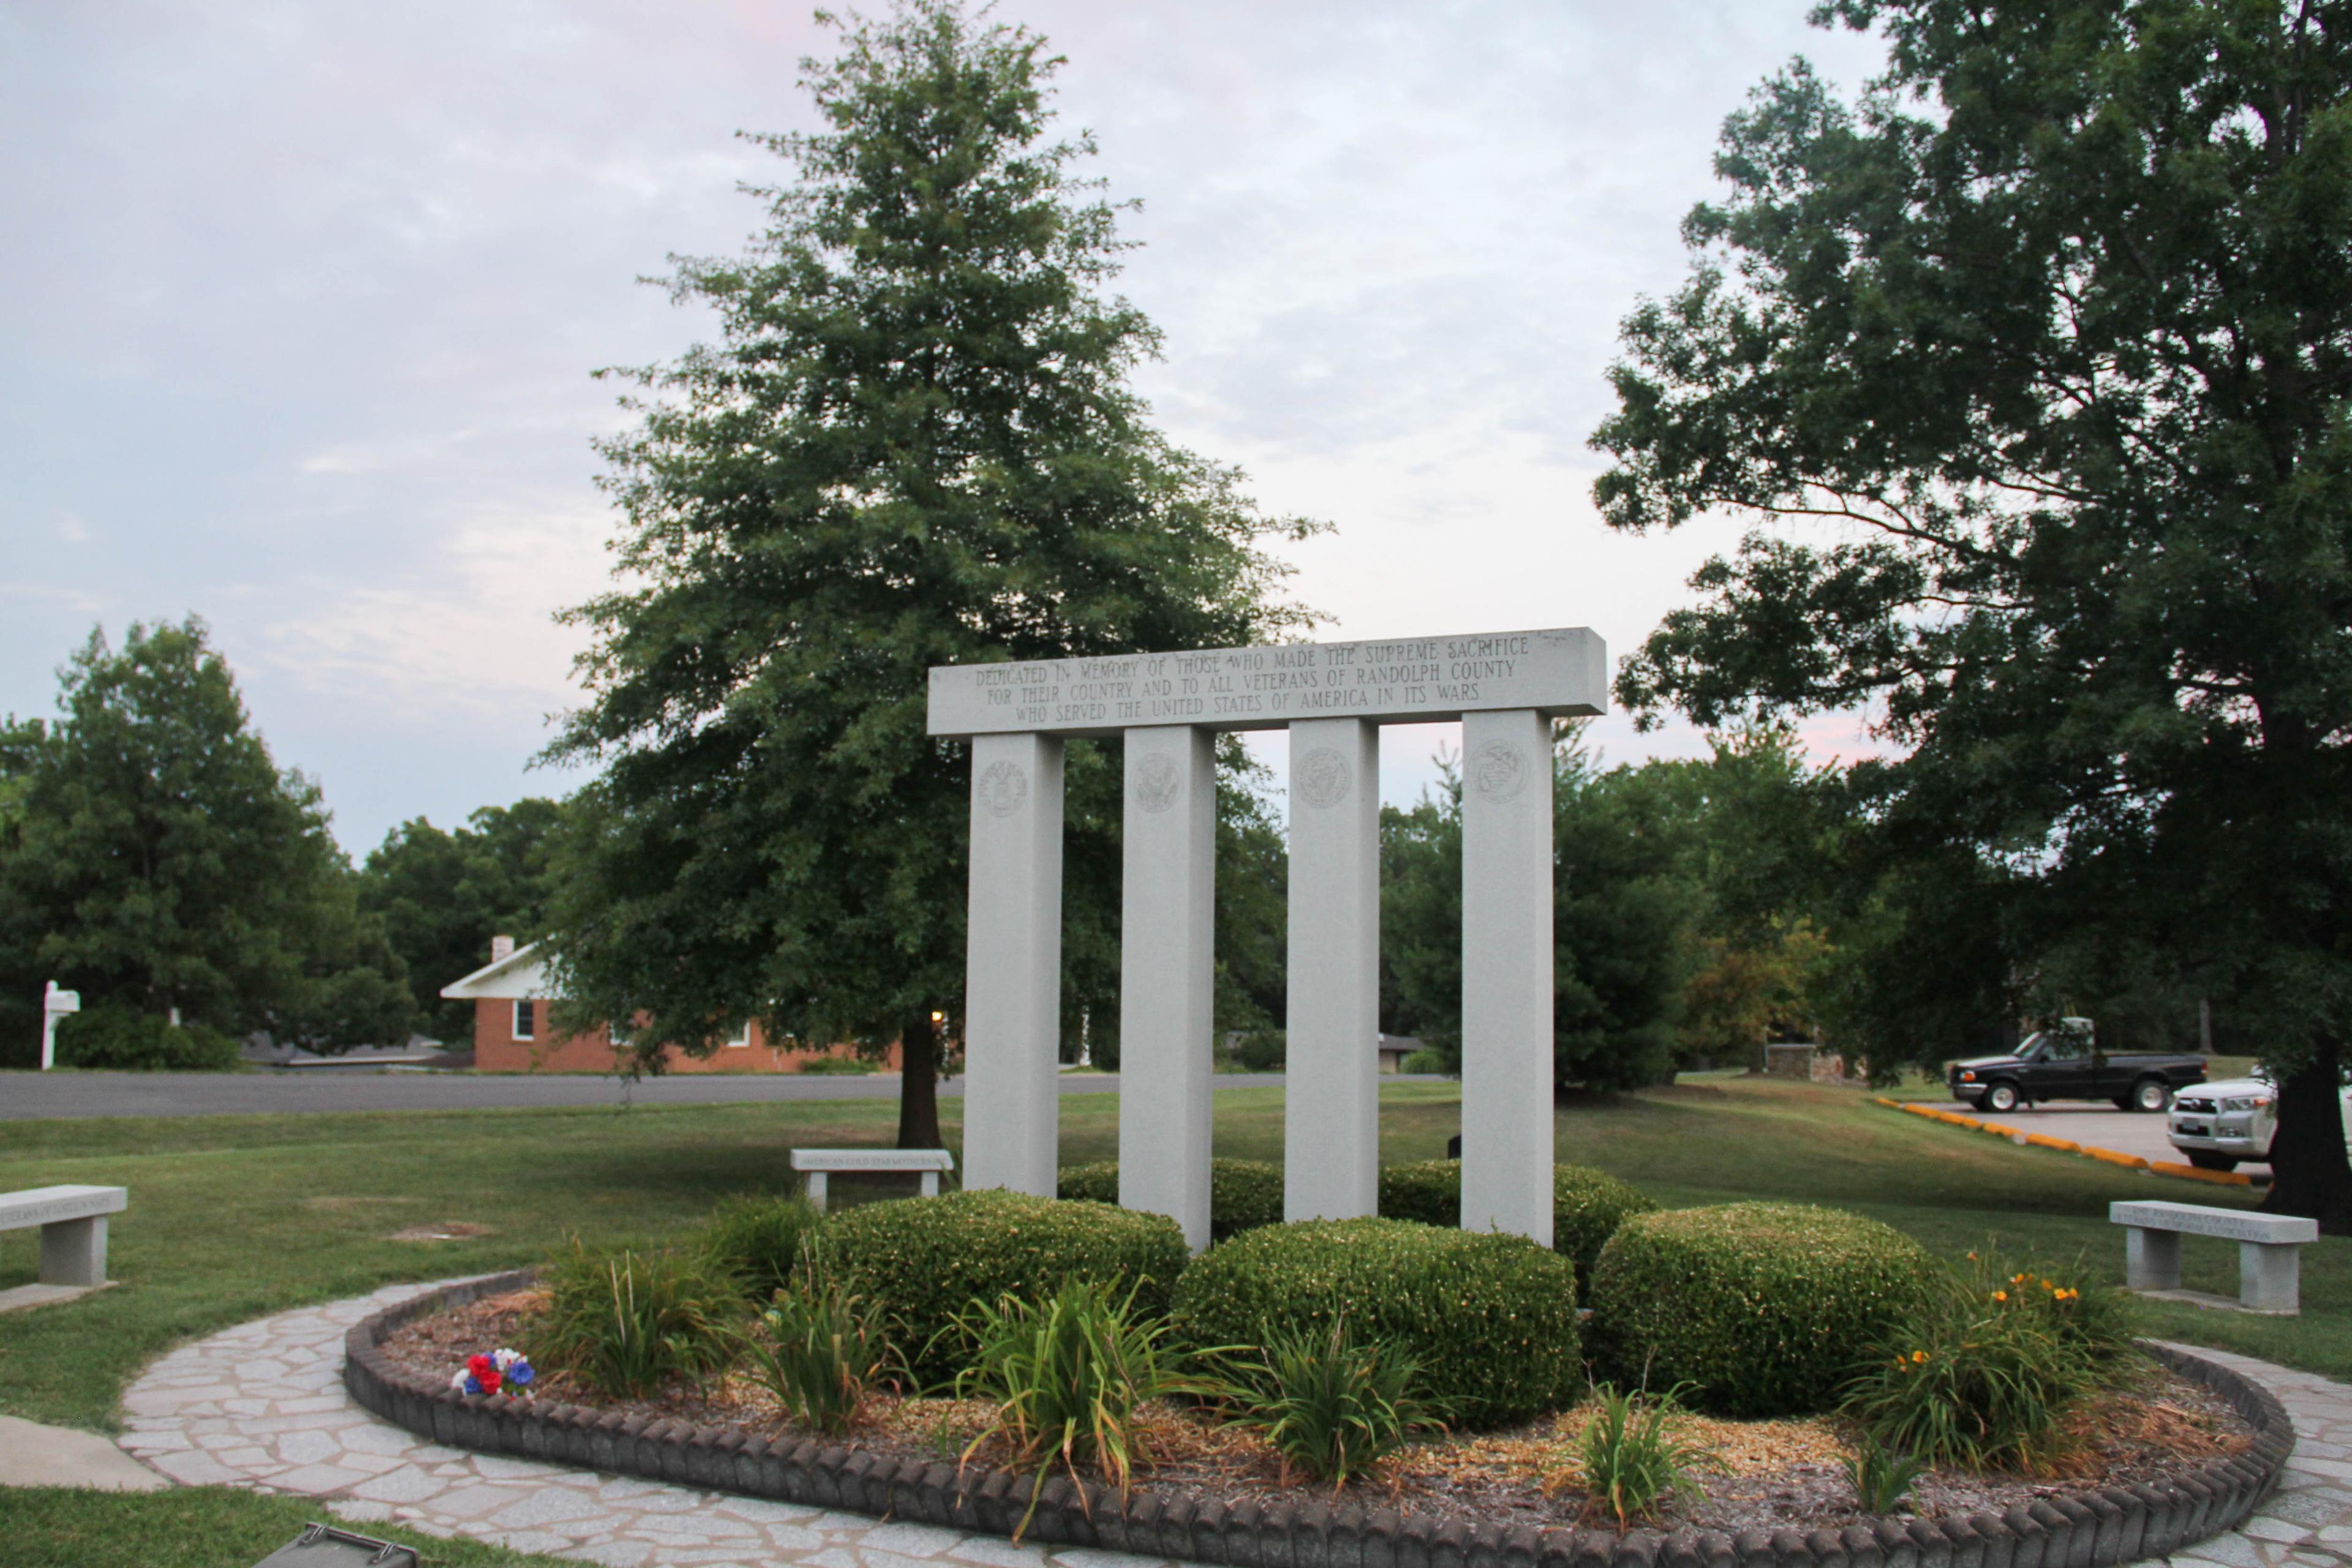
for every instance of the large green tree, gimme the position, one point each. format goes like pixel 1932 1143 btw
pixel 2034 361
pixel 443 894
pixel 1620 913
pixel 913 442
pixel 155 857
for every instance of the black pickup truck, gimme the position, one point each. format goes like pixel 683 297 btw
pixel 2065 1063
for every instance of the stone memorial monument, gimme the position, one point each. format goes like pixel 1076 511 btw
pixel 1504 688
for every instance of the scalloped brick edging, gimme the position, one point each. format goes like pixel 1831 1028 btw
pixel 2083 1530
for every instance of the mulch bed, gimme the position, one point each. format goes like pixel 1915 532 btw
pixel 1779 1474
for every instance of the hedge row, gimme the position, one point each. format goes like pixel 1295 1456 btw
pixel 1242 1193
pixel 1757 1308
pixel 1587 1205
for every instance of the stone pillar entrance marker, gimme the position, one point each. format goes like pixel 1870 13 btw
pixel 1013 964
pixel 1331 1107
pixel 1168 975
pixel 1507 973
pixel 1505 687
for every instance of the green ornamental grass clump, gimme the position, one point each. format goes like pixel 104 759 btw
pixel 627 1323
pixel 924 1262
pixel 1587 1205
pixel 817 1349
pixel 1331 1406
pixel 1064 1370
pixel 1761 1308
pixel 1632 1456
pixel 1490 1321
pixel 1984 1370
pixel 1242 1193
pixel 759 1239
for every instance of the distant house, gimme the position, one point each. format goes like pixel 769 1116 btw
pixel 513 1032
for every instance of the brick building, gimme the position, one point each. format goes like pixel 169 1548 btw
pixel 513 1032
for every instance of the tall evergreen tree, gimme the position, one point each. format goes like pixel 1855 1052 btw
pixel 914 443
pixel 155 857
pixel 1619 912
pixel 442 895
pixel 2037 366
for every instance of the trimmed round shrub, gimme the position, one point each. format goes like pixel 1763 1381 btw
pixel 118 1039
pixel 1587 1206
pixel 1262 1050
pixel 1763 1308
pixel 1490 1318
pixel 1242 1193
pixel 924 1262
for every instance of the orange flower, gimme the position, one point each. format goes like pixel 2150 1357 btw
pixel 2001 1295
pixel 1919 1355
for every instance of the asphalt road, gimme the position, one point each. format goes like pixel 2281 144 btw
pixel 2124 1132
pixel 27 1095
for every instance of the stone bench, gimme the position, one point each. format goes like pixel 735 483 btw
pixel 73 1238
pixel 815 1164
pixel 2268 1272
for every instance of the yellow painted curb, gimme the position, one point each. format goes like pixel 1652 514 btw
pixel 2224 1178
pixel 2042 1141
pixel 2128 1162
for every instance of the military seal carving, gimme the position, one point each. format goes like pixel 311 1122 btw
pixel 1324 777
pixel 1496 772
pixel 1002 789
pixel 1158 783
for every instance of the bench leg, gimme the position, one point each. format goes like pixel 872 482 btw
pixel 816 1190
pixel 73 1251
pixel 2151 1258
pixel 931 1184
pixel 2269 1278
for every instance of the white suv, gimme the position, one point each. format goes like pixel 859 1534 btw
pixel 2219 1124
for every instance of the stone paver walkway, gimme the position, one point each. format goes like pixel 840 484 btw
pixel 263 1405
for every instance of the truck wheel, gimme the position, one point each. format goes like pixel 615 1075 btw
pixel 2205 1160
pixel 2151 1094
pixel 2000 1097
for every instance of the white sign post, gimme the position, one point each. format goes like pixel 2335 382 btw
pixel 1506 687
pixel 55 1004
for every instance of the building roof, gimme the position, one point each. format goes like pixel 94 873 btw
pixel 520 974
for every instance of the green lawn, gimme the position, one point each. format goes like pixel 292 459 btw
pixel 195 1527
pixel 234 1218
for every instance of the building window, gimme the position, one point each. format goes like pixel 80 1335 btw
pixel 742 1037
pixel 522 1029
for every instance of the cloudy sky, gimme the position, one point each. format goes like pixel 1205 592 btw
pixel 298 304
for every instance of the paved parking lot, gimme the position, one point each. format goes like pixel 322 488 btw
pixel 2124 1132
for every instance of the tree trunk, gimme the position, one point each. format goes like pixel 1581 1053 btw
pixel 918 1085
pixel 2309 1173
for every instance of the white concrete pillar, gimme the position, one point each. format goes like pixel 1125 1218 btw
pixel 1331 1109
pixel 1167 974
pixel 2151 1258
pixel 1507 973
pixel 2269 1278
pixel 1012 977
pixel 73 1251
